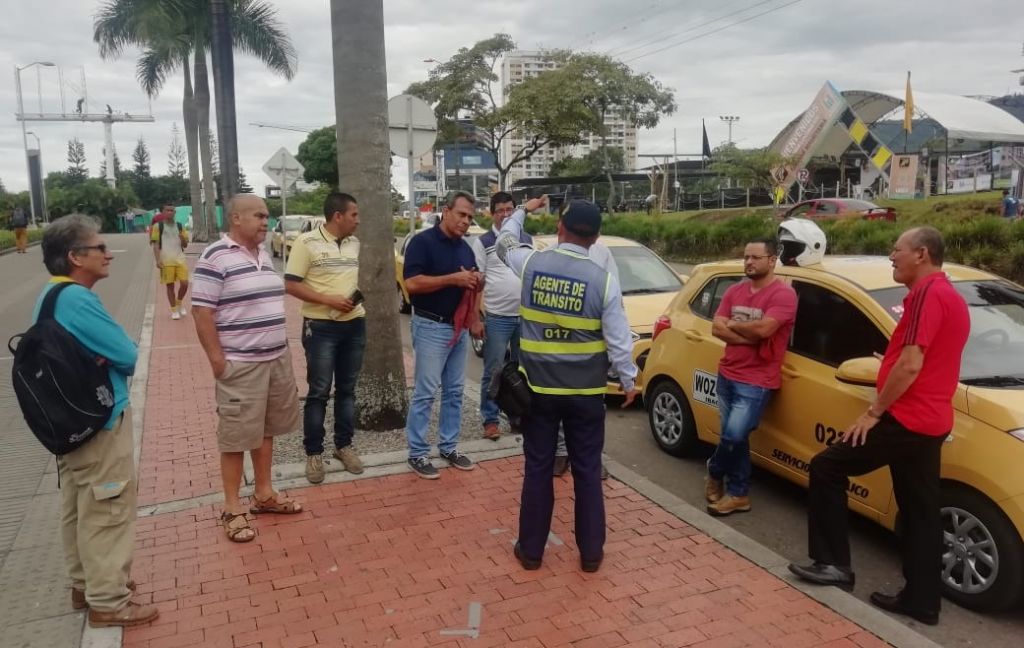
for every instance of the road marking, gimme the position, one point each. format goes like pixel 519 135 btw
pixel 473 629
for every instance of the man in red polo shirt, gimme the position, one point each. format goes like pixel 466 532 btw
pixel 903 429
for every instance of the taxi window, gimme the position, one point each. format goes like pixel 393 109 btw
pixel 830 329
pixel 706 302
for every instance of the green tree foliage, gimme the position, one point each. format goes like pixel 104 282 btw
pixel 140 156
pixel 103 164
pixel 747 167
pixel 92 197
pixel 77 171
pixel 591 164
pixel 318 153
pixel 243 183
pixel 177 163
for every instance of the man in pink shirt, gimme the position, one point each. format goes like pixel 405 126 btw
pixel 754 320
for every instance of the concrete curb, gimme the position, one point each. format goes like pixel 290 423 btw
pixel 847 605
pixel 13 249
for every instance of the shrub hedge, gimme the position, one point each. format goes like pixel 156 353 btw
pixel 7 237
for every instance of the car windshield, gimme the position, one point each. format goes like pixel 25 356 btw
pixel 291 225
pixel 995 346
pixel 641 271
pixel 858 205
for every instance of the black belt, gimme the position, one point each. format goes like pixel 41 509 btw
pixel 433 317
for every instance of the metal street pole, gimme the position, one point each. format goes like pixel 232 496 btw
pixel 24 135
pixel 413 208
pixel 675 170
pixel 42 178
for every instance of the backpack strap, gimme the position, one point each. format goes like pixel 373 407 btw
pixel 50 301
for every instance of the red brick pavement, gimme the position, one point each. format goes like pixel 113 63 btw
pixel 395 560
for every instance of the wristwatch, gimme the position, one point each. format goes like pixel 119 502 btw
pixel 872 414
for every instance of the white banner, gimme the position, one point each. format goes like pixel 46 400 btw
pixel 903 177
pixel 812 128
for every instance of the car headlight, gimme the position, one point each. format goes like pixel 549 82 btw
pixel 1019 433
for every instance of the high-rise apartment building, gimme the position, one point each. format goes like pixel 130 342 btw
pixel 521 65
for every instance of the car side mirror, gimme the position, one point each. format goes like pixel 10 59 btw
pixel 859 371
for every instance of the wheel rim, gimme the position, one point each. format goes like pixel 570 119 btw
pixel 667 418
pixel 970 561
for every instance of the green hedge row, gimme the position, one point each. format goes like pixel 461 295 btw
pixel 7 237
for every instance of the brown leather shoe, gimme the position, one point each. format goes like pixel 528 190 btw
pixel 713 489
pixel 78 601
pixel 130 615
pixel 729 505
pixel 492 431
pixel 348 458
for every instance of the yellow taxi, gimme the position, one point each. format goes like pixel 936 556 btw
pixel 847 309
pixel 285 231
pixel 648 286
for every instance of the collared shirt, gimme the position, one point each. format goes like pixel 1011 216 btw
pixel 935 318
pixel 614 324
pixel 171 238
pixel 247 297
pixel 433 254
pixel 502 287
pixel 80 311
pixel 328 265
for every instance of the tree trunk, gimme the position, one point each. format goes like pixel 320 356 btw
pixel 222 56
pixel 360 104
pixel 200 232
pixel 607 168
pixel 205 154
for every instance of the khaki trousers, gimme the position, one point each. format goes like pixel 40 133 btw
pixel 98 495
pixel 21 238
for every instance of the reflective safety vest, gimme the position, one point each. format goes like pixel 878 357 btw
pixel 562 349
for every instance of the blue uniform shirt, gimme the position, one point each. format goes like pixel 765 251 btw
pixel 433 254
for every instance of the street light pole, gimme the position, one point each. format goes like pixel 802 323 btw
pixel 42 178
pixel 730 120
pixel 24 132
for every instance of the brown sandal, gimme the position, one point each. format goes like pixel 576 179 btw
pixel 276 503
pixel 237 528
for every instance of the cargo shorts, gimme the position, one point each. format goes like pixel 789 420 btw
pixel 256 400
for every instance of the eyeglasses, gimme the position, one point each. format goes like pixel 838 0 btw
pixel 102 247
pixel 507 210
pixel 752 257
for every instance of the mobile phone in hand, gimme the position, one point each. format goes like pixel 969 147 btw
pixel 357 297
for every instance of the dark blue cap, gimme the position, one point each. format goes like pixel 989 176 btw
pixel 582 218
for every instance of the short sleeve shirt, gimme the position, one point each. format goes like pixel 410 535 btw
pixel 169 237
pixel 758 364
pixel 433 254
pixel 330 267
pixel 247 297
pixel 935 318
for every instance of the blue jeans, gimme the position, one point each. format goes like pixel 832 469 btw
pixel 334 351
pixel 438 365
pixel 740 406
pixel 500 333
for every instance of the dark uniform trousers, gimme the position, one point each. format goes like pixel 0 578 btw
pixel 913 461
pixel 582 417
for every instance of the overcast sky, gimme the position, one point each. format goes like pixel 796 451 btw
pixel 765 70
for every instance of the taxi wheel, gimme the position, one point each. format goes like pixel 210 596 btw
pixel 671 419
pixel 404 307
pixel 983 556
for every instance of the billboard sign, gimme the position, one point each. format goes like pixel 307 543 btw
pixel 903 177
pixel 808 134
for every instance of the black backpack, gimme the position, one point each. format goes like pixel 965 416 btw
pixel 63 389
pixel 510 391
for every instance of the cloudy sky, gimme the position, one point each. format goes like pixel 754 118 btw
pixel 765 69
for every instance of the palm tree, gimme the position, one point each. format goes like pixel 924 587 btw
pixel 360 104
pixel 172 31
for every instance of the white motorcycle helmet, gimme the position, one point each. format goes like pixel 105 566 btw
pixel 803 242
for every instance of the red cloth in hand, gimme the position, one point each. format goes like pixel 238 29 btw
pixel 463 314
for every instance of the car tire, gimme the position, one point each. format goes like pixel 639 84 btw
pixel 478 346
pixel 404 307
pixel 971 523
pixel 671 419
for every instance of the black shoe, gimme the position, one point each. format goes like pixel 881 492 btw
pixel 822 574
pixel 561 465
pixel 523 560
pixel 604 472
pixel 591 566
pixel 893 603
pixel 458 460
pixel 422 467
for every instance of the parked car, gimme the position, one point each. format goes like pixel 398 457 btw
pixel 839 208
pixel 287 229
pixel 847 309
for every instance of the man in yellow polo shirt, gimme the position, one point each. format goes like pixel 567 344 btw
pixel 323 271
pixel 169 241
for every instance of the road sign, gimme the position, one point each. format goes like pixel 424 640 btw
pixel 412 126
pixel 283 168
pixel 803 175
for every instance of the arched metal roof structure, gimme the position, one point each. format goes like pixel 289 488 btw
pixel 961 117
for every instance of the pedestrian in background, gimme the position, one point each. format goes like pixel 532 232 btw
pixel 573 328
pixel 442 279
pixel 500 305
pixel 98 480
pixel 19 223
pixel 904 429
pixel 240 319
pixel 754 320
pixel 1011 205
pixel 323 271
pixel 169 241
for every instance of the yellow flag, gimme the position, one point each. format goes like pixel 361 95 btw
pixel 908 109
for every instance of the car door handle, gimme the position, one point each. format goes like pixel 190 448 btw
pixel 789 372
pixel 693 335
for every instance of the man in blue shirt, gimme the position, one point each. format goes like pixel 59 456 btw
pixel 98 483
pixel 573 328
pixel 443 280
pixel 1011 206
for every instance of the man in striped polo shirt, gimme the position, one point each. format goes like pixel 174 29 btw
pixel 238 302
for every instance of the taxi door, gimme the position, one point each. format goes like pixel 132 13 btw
pixel 813 407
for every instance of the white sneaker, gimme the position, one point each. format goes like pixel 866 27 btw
pixel 175 315
pixel 182 310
